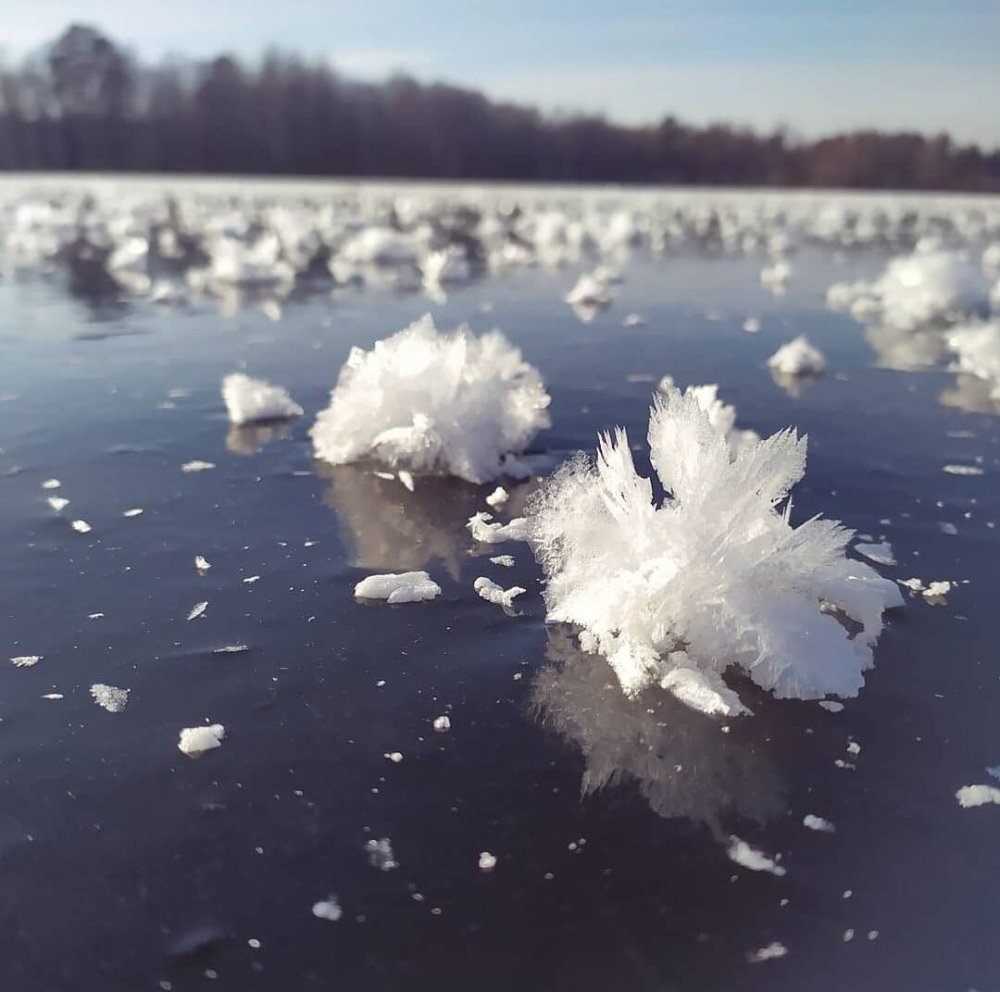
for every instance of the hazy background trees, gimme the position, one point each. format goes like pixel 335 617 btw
pixel 85 104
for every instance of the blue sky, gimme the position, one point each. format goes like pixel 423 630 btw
pixel 816 67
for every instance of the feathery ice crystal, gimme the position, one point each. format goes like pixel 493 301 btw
pixel 434 401
pixel 713 576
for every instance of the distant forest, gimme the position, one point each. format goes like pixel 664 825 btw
pixel 85 104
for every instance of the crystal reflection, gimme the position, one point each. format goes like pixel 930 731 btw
pixel 681 761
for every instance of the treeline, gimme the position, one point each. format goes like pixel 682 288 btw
pixel 84 104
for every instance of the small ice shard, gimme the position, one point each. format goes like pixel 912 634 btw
pixel 881 553
pixel 487 861
pixel 394 756
pixel 109 697
pixel 53 695
pixel 202 563
pixel 81 526
pixel 962 470
pixel 977 795
pixel 768 953
pixel 58 502
pixel 380 854
pixel 406 478
pixel 442 724
pixel 702 690
pixel 95 616
pixel 197 740
pixel 853 747
pixel 498 497
pixel 251 579
pixel 232 649
pixel 198 610
pixel 402 587
pixel 749 857
pixel 814 822
pixel 831 705
pixel 197 465
pixel 751 325
pixel 507 561
pixel 634 320
pixel 134 512
pixel 250 401
pixel 432 401
pixel 590 291
pixel 327 909
pixel 496 533
pixel 715 568
pixel 26 660
pixel 798 357
pixel 51 484
pixel 492 593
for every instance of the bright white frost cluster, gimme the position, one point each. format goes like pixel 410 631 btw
pixel 251 400
pixel 798 357
pixel 434 401
pixel 714 576
pixel 977 352
pixel 925 287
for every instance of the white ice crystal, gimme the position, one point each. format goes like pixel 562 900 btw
pixel 327 909
pixel 81 526
pixel 109 697
pixel 590 291
pixel 197 740
pixel 58 503
pixel 26 660
pixel 380 854
pixel 881 553
pixel 198 610
pixel 798 357
pixel 715 575
pixel 494 533
pixel 402 587
pixel 770 952
pixel 721 415
pixel 442 724
pixel 749 857
pixel 434 401
pixel 251 400
pixel 487 861
pixel 492 593
pixel 498 497
pixel 814 822
pixel 977 795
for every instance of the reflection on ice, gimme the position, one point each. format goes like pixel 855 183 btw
pixel 248 439
pixel 682 763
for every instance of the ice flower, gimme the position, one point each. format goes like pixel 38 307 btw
pixel 432 401
pixel 677 591
pixel 252 400
pixel 798 357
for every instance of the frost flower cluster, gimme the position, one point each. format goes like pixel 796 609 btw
pixel 433 401
pixel 676 591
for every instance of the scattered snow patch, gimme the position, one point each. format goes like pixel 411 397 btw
pixel 402 587
pixel 496 533
pixel 814 822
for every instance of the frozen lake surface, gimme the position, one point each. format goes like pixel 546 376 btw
pixel 551 833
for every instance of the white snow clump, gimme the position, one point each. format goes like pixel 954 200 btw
pixel 492 593
pixel 249 400
pixel 798 357
pixel 401 587
pixel 197 740
pixel 434 401
pixel 714 575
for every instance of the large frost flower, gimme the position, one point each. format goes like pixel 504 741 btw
pixel 433 401
pixel 713 576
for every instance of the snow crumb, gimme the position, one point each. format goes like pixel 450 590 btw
pixel 993 771
pixel 493 593
pixel 798 357
pixel 498 497
pixel 109 697
pixel 202 563
pixel 962 470
pixel 977 795
pixel 768 953
pixel 487 861
pixel 198 610
pixel 95 616
pixel 231 649
pixel 380 854
pixel 853 747
pixel 814 822
pixel 394 756
pixel 197 466
pixel 496 533
pixel 402 587
pixel 590 291
pixel 327 909
pixel 58 503
pixel 831 705
pixel 751 325
pixel 197 740
pixel 433 401
pixel 749 857
pixel 701 690
pixel 26 660
pixel 507 561
pixel 881 553
pixel 251 579
pixel 442 724
pixel 134 512
pixel 51 484
pixel 717 568
pixel 81 526
pixel 253 400
pixel 848 935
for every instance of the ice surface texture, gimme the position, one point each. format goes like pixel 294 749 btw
pixel 434 401
pixel 251 400
pixel 715 575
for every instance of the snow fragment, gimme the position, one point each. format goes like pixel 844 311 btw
pixel 198 610
pixel 498 497
pixel 970 796
pixel 487 861
pixel 962 470
pixel 507 561
pixel 831 705
pixel 327 909
pixel 254 400
pixel 798 357
pixel 81 526
pixel 814 822
pixel 197 465
pixel 202 563
pixel 394 756
pixel 380 854
pixel 197 740
pixel 109 697
pixel 492 593
pixel 402 587
pixel 58 502
pixel 231 649
pixel 768 953
pixel 442 724
pixel 749 857
pixel 51 484
pixel 134 512
pixel 406 478
pixel 496 533
pixel 26 660
pixel 881 553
